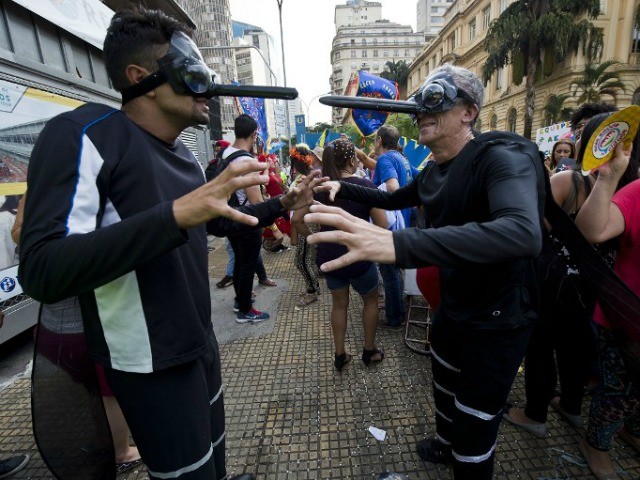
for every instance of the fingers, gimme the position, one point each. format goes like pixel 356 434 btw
pixel 339 262
pixel 237 216
pixel 243 167
pixel 245 181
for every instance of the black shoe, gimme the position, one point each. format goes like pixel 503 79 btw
pixel 434 451
pixel 225 282
pixel 243 476
pixel 12 465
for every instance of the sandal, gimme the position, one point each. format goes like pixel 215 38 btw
pixel 367 355
pixel 267 282
pixel 341 360
pixel 126 466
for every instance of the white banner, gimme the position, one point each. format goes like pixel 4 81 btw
pixel 9 285
pixel 87 19
pixel 547 136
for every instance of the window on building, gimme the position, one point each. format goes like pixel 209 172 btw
pixel 337 56
pixel 503 5
pixel 635 98
pixel 406 52
pixel 375 53
pixel 472 30
pixel 478 124
pixel 493 123
pixel 499 79
pixel 385 53
pixel 364 41
pixel 364 53
pixel 511 120
pixel 486 17
pixel 353 54
pixel 451 42
pixel 635 46
pixel 353 42
pixel 395 52
pixel 375 41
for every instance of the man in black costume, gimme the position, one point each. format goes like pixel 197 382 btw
pixel 117 213
pixel 483 198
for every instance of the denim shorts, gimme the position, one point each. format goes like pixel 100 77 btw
pixel 363 284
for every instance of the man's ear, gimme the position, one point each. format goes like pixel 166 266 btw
pixel 471 112
pixel 135 73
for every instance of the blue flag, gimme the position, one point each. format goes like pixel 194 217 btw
pixel 254 107
pixel 369 121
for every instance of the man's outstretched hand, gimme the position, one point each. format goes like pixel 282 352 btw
pixel 365 241
pixel 210 200
pixel 301 195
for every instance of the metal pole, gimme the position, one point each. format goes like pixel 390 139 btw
pixel 284 73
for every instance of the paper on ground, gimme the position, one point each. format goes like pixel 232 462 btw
pixel 379 434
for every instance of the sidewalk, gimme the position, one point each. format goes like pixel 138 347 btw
pixel 291 416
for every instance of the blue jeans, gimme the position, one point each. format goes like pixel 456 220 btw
pixel 394 309
pixel 260 270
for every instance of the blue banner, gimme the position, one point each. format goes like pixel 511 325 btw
pixel 414 152
pixel 368 121
pixel 254 107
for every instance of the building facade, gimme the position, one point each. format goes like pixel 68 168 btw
pixel 430 15
pixel 461 42
pixel 213 29
pixel 359 45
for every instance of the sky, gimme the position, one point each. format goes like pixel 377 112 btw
pixel 308 31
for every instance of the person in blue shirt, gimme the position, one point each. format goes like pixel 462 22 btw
pixel 394 171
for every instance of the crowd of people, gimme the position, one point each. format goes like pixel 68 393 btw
pixel 124 249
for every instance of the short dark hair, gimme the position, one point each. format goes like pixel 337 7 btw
pixel 244 125
pixel 389 136
pixel 589 110
pixel 137 37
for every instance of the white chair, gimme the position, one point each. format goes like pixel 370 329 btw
pixel 418 327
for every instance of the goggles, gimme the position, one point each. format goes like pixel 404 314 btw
pixel 186 71
pixel 182 66
pixel 439 94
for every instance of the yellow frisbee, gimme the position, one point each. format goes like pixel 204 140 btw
pixel 622 126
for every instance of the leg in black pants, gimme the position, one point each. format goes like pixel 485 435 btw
pixel 563 335
pixel 473 371
pixel 246 248
pixel 176 416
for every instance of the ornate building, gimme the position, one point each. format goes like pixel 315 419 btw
pixel 461 41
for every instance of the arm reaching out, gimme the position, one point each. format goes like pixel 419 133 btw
pixel 366 242
pixel 599 219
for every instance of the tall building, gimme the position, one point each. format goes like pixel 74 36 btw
pixel 213 29
pixel 430 15
pixel 255 68
pixel 357 12
pixel 461 42
pixel 359 45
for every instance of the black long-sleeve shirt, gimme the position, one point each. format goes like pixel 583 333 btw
pixel 484 208
pixel 99 224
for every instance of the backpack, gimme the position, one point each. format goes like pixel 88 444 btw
pixel 218 164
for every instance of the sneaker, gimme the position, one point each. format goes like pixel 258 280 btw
pixel 12 465
pixel 252 316
pixel 225 282
pixel 434 451
pixel 236 305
